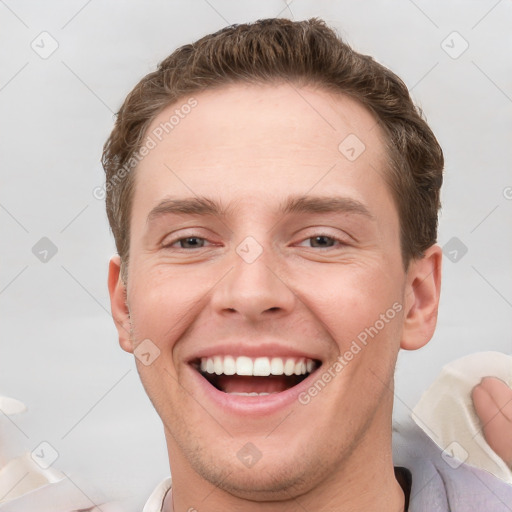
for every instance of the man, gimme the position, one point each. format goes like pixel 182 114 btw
pixel 273 196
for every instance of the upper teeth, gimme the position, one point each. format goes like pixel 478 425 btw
pixel 260 366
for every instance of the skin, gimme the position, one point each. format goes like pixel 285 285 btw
pixel 492 399
pixel 251 147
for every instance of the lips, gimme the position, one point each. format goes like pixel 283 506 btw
pixel 254 376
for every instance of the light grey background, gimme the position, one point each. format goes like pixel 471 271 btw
pixel 59 346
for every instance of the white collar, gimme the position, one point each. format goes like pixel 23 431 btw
pixel 156 499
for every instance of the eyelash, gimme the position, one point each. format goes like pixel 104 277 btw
pixel 173 242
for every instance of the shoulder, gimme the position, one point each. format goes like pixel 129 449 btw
pixel 440 482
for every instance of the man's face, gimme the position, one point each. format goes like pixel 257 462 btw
pixel 300 268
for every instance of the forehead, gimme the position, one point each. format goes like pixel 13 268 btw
pixel 262 141
pixel 253 114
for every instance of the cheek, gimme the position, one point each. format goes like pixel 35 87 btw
pixel 349 300
pixel 360 308
pixel 162 301
pixel 163 304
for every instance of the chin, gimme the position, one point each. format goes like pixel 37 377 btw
pixel 281 471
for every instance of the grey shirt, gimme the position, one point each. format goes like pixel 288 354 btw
pixel 441 483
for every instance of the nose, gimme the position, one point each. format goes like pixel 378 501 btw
pixel 254 289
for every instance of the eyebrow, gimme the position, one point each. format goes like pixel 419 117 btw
pixel 296 204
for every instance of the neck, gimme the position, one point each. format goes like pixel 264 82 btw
pixel 365 480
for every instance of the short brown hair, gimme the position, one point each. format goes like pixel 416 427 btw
pixel 305 53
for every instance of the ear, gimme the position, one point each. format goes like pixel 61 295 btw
pixel 423 286
pixel 120 312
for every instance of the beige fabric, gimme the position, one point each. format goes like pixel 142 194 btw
pixel 29 486
pixel 22 475
pixel 447 415
pixel 10 406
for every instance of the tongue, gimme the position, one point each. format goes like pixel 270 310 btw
pixel 241 384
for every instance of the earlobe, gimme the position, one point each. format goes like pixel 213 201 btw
pixel 120 313
pixel 422 299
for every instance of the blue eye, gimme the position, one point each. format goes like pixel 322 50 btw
pixel 192 241
pixel 323 240
pixel 196 242
pixel 189 242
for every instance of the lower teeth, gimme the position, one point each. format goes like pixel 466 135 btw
pixel 252 394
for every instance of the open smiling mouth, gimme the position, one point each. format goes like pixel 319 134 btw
pixel 260 376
